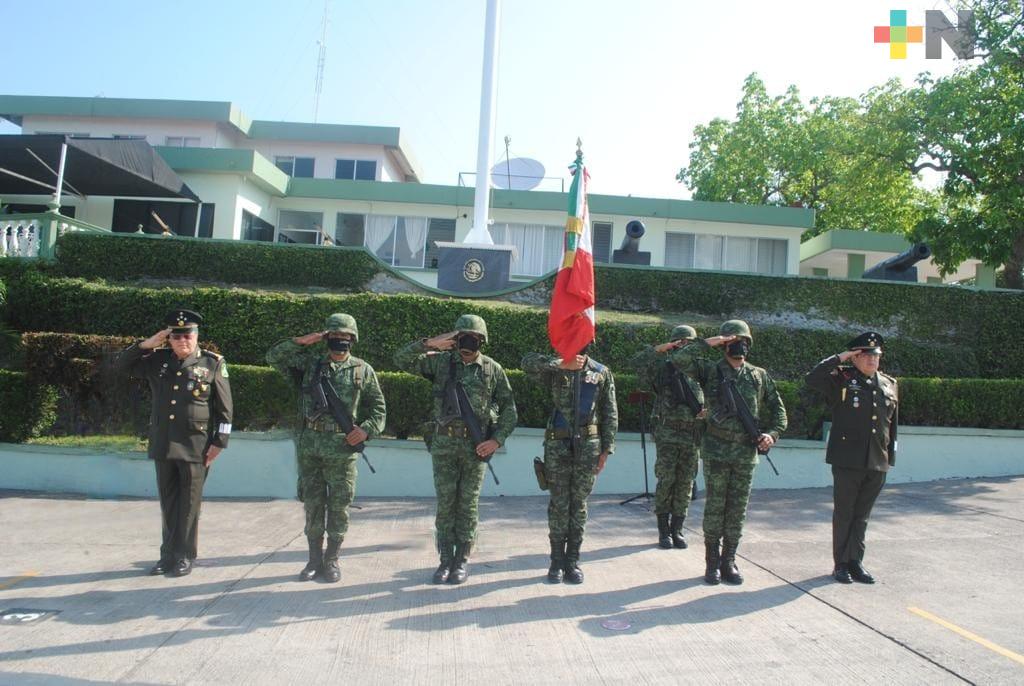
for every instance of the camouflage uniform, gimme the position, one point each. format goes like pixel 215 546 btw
pixel 458 470
pixel 326 462
pixel 729 455
pixel 571 477
pixel 677 435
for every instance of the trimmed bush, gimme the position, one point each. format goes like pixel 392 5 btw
pixel 26 409
pixel 223 261
pixel 244 324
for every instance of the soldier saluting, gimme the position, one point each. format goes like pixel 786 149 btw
pixel 327 449
pixel 861 444
pixel 189 425
pixel 474 412
pixel 733 387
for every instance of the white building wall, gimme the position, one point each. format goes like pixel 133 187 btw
pixel 156 131
pixel 324 154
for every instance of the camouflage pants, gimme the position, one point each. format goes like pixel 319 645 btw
pixel 727 485
pixel 327 482
pixel 570 481
pixel 675 469
pixel 458 478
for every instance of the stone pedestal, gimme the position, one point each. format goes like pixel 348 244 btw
pixel 473 267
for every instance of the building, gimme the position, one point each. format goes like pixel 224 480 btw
pixel 360 185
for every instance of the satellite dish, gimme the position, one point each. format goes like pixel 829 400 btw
pixel 517 174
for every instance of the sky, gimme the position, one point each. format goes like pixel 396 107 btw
pixel 631 79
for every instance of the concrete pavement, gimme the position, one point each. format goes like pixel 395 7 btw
pixel 947 608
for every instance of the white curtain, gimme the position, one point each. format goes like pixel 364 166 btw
pixel 740 254
pixel 529 242
pixel 416 234
pixel 554 246
pixel 378 231
pixel 707 252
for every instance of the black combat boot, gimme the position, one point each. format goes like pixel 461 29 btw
pixel 730 573
pixel 316 558
pixel 557 568
pixel 447 551
pixel 331 571
pixel 712 558
pixel 677 532
pixel 459 572
pixel 664 540
pixel 573 573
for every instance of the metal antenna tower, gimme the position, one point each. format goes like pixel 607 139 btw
pixel 321 58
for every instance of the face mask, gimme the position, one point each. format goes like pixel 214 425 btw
pixel 339 345
pixel 738 348
pixel 469 343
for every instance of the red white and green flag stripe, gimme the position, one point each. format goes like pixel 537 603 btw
pixel 571 317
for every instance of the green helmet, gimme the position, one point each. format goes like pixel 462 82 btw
pixel 471 323
pixel 683 331
pixel 343 323
pixel 736 327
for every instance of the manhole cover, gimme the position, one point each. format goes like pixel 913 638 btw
pixel 615 625
pixel 22 615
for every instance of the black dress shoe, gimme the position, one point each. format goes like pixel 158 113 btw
pixel 842 574
pixel 160 568
pixel 182 567
pixel 859 574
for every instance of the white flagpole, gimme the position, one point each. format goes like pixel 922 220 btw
pixel 488 95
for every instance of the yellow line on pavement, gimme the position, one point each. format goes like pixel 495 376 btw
pixel 1016 657
pixel 18 579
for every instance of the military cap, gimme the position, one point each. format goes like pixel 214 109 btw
pixel 869 342
pixel 342 323
pixel 736 327
pixel 683 331
pixel 183 321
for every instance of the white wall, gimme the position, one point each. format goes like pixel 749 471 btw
pixel 155 130
pixel 324 154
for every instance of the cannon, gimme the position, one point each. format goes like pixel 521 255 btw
pixel 900 267
pixel 629 252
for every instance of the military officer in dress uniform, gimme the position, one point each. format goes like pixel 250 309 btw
pixel 189 425
pixel 861 444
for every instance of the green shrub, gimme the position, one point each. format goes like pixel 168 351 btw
pixel 26 408
pixel 244 324
pixel 224 261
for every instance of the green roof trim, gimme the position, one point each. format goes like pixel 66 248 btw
pixel 460 196
pixel 853 241
pixel 15 107
pixel 247 163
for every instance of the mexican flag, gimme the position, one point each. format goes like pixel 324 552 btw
pixel 571 318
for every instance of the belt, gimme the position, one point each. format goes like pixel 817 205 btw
pixel 556 434
pixel 325 425
pixel 679 423
pixel 454 430
pixel 726 435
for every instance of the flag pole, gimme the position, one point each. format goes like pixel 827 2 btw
pixel 484 155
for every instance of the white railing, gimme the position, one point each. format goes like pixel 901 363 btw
pixel 22 235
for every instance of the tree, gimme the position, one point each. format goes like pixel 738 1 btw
pixel 823 155
pixel 971 127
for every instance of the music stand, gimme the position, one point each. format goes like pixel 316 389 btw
pixel 640 398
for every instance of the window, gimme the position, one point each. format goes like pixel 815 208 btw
pixel 300 227
pixel 399 241
pixel 731 253
pixel 298 167
pixel 602 241
pixel 150 216
pixel 182 141
pixel 538 247
pixel 255 229
pixel 361 170
pixel 128 137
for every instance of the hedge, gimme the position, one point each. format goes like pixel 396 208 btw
pixel 979 321
pixel 94 399
pixel 244 324
pixel 132 256
pixel 27 409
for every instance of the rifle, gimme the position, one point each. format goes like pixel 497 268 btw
pixel 736 406
pixel 457 400
pixel 327 397
pixel 681 391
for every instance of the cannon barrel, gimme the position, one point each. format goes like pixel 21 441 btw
pixel 898 267
pixel 634 232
